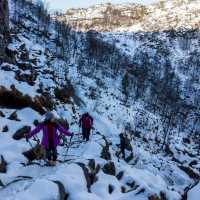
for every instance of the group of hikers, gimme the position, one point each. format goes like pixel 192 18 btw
pixel 50 140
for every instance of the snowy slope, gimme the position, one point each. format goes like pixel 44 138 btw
pixel 164 15
pixel 81 174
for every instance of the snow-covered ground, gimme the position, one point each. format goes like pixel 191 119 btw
pixel 150 174
pixel 159 16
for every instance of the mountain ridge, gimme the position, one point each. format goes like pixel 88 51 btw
pixel 161 16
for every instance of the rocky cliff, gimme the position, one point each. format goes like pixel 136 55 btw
pixel 164 15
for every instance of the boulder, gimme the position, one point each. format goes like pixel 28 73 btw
pixel 86 174
pixel 105 154
pixel 14 99
pixel 5 129
pixel 13 116
pixel 3 165
pixel 35 153
pixel 129 158
pixel 19 134
pixel 1 114
pixel 109 168
pixel 62 194
pixel 190 172
pixel 110 188
pixel 120 175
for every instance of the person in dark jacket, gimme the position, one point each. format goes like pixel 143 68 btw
pixel 122 145
pixel 86 122
pixel 50 139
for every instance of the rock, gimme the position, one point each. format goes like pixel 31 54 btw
pixel 3 165
pixel 87 176
pixel 24 65
pixel 105 154
pixel 163 196
pixel 110 189
pixel 129 158
pixel 63 194
pixel 186 140
pixel 44 100
pixel 123 189
pixel 1 184
pixel 13 116
pixel 36 153
pixel 28 78
pixel 194 162
pixel 5 129
pixel 14 99
pixel 142 190
pixel 154 197
pixel 190 172
pixel 145 140
pixel 120 175
pixel 90 174
pixel 19 134
pixel 109 168
pixel 168 150
pixel 132 184
pixel 1 114
pixel 91 164
pixel 62 94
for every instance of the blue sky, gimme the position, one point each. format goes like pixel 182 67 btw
pixel 63 4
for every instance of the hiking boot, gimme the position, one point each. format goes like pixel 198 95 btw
pixel 53 163
pixel 50 163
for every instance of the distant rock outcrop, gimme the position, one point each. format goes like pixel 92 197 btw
pixel 160 16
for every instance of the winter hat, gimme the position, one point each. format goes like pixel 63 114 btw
pixel 48 116
pixel 121 135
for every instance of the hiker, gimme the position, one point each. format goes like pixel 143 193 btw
pixel 86 122
pixel 122 145
pixel 50 139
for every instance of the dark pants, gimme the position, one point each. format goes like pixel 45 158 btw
pixel 86 133
pixel 51 152
pixel 122 148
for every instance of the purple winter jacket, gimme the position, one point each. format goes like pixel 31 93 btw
pixel 44 128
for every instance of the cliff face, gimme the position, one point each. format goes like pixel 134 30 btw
pixel 161 16
pixel 4 27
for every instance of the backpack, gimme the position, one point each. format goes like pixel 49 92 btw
pixel 86 122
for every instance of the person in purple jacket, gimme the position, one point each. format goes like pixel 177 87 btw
pixel 50 139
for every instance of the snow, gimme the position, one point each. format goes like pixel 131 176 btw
pixel 151 171
pixel 41 189
pixel 8 78
pixel 194 193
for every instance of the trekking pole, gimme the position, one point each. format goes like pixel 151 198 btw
pixel 70 141
pixel 80 134
pixel 30 144
pixel 35 138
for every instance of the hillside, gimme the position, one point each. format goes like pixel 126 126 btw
pixel 161 16
pixel 142 83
